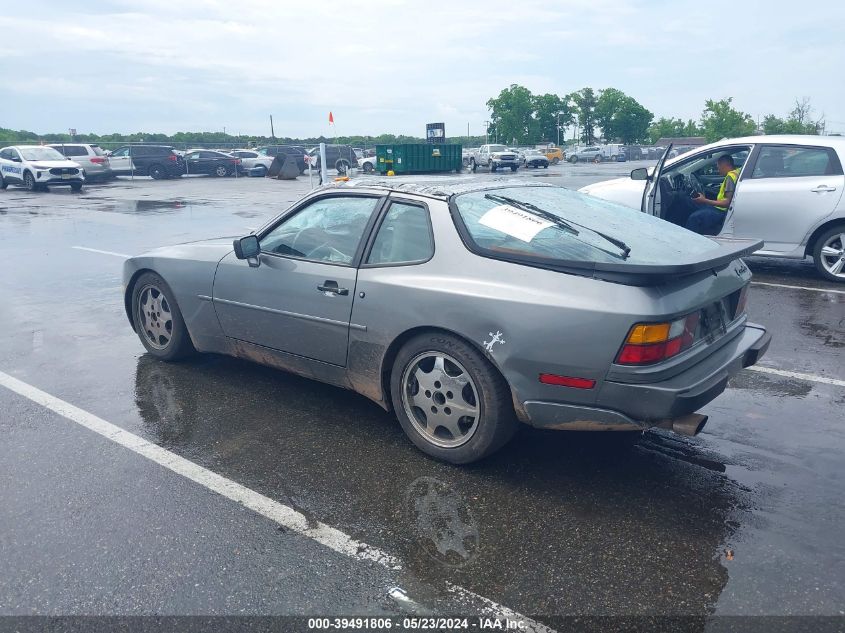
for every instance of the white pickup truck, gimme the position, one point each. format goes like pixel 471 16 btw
pixel 495 157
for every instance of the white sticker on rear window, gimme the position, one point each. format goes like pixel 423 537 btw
pixel 514 222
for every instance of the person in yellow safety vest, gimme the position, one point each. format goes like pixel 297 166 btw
pixel 709 220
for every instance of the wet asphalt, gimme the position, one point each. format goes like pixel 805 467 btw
pixel 745 519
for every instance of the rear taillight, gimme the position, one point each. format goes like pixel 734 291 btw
pixel 650 343
pixel 98 160
pixel 173 157
pixel 237 161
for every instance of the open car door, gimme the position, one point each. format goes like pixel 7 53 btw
pixel 651 203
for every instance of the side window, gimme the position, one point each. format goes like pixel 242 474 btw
pixel 784 161
pixel 6 154
pixel 192 156
pixel 121 153
pixel 403 237
pixel 327 230
pixel 209 155
pixel 74 150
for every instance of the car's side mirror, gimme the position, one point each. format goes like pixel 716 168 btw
pixel 641 173
pixel 247 248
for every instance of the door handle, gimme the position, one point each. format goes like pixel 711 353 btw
pixel 823 189
pixel 331 286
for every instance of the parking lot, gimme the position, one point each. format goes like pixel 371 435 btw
pixel 329 507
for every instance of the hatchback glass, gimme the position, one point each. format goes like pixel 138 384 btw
pixel 556 224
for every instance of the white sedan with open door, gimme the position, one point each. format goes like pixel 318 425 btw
pixel 789 194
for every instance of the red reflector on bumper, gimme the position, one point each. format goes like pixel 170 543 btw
pixel 567 381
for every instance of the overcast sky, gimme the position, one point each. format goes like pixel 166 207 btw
pixel 393 66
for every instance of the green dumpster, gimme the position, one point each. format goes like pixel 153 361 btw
pixel 418 158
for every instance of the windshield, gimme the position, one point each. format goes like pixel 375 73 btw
pixel 498 148
pixel 41 153
pixel 556 224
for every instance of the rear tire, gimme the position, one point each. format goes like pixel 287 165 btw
pixel 493 167
pixel 573 160
pixel 829 254
pixel 368 168
pixel 513 167
pixel 473 165
pixel 3 183
pixel 342 166
pixel 221 171
pixel 157 319
pixel 555 161
pixel 157 172
pixel 462 377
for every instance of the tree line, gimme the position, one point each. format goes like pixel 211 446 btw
pixel 519 117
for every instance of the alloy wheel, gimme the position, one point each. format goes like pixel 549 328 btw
pixel 441 399
pixel 833 255
pixel 154 317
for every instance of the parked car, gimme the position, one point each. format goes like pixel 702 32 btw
pixel 494 157
pixel 369 164
pixel 535 158
pixel 93 160
pixel 416 297
pixel 206 161
pixel 156 161
pixel 297 151
pixel 789 194
pixel 251 159
pixel 554 155
pixel 37 167
pixel 338 157
pixel 589 154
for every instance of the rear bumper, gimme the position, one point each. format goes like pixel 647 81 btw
pixel 626 405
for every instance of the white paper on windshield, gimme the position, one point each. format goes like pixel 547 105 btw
pixel 514 222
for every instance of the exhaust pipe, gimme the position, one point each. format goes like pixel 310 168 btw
pixel 689 425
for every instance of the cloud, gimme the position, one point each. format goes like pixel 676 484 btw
pixel 393 65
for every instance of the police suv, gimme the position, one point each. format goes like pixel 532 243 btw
pixel 36 166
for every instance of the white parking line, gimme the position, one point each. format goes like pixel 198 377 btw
pixel 796 374
pixel 281 514
pixel 765 283
pixel 97 250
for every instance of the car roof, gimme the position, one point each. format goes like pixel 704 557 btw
pixel 436 187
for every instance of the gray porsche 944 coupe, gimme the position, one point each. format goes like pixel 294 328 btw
pixel 467 308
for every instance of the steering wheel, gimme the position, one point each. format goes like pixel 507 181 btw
pixel 694 185
pixel 308 239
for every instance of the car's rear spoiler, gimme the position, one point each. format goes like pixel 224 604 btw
pixel 725 251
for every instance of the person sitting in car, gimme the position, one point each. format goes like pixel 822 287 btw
pixel 709 220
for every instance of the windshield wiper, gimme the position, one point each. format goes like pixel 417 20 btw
pixel 567 225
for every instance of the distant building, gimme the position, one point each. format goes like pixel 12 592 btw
pixel 686 141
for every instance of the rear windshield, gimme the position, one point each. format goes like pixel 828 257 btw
pixel 558 225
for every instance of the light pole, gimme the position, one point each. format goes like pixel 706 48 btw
pixel 487 132
pixel 558 129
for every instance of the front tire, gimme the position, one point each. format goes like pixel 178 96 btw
pixel 29 182
pixel 368 168
pixel 473 165
pixel 573 160
pixel 157 319
pixel 76 187
pixel 513 167
pixel 555 161
pixel 450 400
pixel 3 183
pixel 829 254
